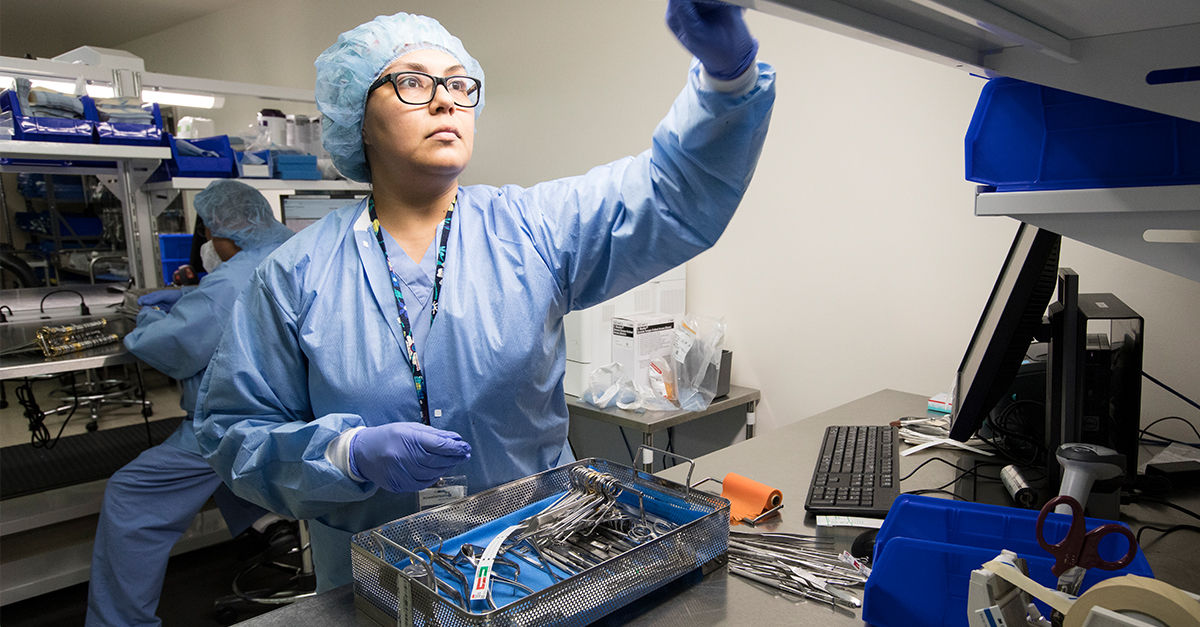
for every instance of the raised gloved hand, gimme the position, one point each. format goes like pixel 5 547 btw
pixel 715 32
pixel 406 456
pixel 163 299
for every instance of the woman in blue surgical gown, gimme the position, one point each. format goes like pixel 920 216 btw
pixel 419 332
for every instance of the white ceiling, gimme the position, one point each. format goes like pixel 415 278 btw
pixel 46 28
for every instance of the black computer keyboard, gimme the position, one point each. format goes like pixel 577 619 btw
pixel 857 473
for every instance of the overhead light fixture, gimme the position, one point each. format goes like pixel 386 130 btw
pixel 98 90
pixel 181 99
pixel 94 90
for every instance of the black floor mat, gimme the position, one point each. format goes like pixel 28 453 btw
pixel 76 459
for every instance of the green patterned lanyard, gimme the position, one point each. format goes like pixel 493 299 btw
pixel 410 344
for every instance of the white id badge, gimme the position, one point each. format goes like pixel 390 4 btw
pixel 445 490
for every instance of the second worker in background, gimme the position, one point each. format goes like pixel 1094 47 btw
pixel 151 501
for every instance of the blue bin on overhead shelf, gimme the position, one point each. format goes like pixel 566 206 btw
pixel 174 250
pixel 259 170
pixel 66 189
pixel 71 225
pixel 1027 137
pixel 296 167
pixel 219 164
pixel 129 133
pixel 927 548
pixel 34 128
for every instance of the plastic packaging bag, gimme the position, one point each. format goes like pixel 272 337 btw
pixel 697 358
pixel 662 378
pixel 609 386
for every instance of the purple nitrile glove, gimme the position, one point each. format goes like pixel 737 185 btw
pixel 163 299
pixel 406 456
pixel 715 33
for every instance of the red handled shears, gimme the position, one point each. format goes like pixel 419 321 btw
pixel 1081 548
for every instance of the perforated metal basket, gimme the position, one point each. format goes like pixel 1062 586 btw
pixel 391 597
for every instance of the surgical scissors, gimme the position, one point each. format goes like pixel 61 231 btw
pixel 1079 550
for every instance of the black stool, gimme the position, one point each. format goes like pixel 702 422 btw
pixel 267 580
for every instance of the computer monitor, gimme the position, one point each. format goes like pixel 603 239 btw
pixel 1010 320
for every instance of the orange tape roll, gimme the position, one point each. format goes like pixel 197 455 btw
pixel 747 497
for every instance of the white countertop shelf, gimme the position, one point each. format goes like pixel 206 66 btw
pixel 17 149
pixel 187 183
pixel 1156 225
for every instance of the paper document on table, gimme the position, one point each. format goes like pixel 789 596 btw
pixel 849 521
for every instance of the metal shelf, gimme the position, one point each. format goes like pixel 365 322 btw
pixel 1099 48
pixel 1105 49
pixel 294 185
pixel 132 165
pixel 16 149
pixel 1158 226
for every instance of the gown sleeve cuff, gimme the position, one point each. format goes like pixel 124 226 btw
pixel 734 86
pixel 338 454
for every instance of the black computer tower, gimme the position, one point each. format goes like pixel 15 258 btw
pixel 1094 374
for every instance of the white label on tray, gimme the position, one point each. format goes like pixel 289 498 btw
pixel 483 571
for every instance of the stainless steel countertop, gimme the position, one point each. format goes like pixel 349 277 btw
pixel 655 421
pixel 34 363
pixel 785 458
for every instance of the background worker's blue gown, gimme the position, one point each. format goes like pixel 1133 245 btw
pixel 314 347
pixel 151 501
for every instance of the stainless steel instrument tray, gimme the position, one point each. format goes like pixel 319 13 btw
pixel 391 597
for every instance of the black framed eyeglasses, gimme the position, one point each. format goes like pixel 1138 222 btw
pixel 417 88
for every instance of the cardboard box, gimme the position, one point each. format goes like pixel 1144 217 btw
pixel 588 332
pixel 639 338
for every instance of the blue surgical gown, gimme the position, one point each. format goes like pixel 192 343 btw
pixel 151 501
pixel 314 348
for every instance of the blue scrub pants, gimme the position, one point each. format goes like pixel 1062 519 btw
pixel 148 504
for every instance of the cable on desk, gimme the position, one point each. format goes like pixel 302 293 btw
pixel 951 464
pixel 83 308
pixel 1171 390
pixel 1144 435
pixel 1164 530
pixel 1013 441
pixel 1158 501
pixel 934 491
pixel 965 472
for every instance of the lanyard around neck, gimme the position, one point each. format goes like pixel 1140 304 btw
pixel 410 345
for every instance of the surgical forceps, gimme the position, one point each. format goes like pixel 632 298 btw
pixel 791 563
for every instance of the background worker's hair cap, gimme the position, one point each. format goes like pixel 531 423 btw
pixel 347 68
pixel 234 210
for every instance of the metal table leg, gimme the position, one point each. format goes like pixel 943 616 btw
pixel 751 418
pixel 648 455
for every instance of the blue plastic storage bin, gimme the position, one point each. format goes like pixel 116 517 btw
pixel 31 128
pixel 302 167
pixel 66 188
pixel 174 250
pixel 254 170
pixel 43 223
pixel 223 165
pixel 130 133
pixel 927 548
pixel 1029 137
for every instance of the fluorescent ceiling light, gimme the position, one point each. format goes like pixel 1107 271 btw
pixel 66 87
pixel 97 90
pixel 180 99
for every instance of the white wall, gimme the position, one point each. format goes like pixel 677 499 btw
pixel 855 262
